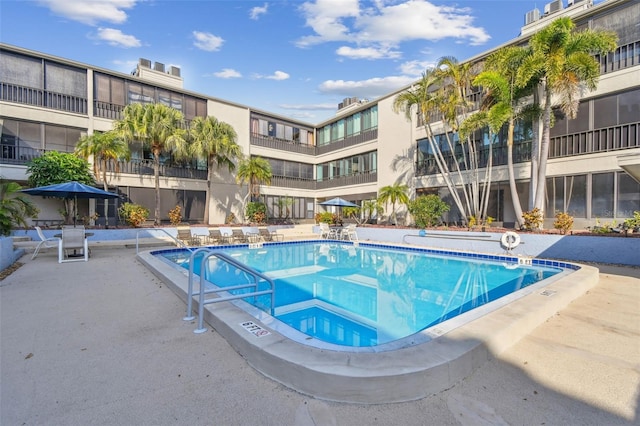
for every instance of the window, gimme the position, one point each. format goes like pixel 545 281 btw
pixel 602 195
pixel 628 196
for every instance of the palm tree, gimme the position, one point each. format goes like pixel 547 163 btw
pixel 14 207
pixel 216 142
pixel 158 127
pixel 104 147
pixel 455 107
pixel 503 103
pixel 561 61
pixel 396 193
pixel 253 171
pixel 431 96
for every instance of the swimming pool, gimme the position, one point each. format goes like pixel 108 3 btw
pixel 406 369
pixel 365 295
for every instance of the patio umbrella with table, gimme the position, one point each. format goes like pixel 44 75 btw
pixel 338 202
pixel 70 190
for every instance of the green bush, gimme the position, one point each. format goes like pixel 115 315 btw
pixel 427 210
pixel 532 219
pixel 634 222
pixel 326 217
pixel 256 212
pixel 563 222
pixel 133 214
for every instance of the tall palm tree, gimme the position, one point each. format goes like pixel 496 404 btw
pixel 215 141
pixel 158 127
pixel 104 147
pixel 455 107
pixel 504 103
pixel 253 171
pixel 396 193
pixel 561 61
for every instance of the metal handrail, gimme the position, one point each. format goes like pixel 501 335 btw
pixel 178 242
pixel 201 300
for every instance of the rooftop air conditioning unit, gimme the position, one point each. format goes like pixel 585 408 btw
pixel 555 6
pixel 158 67
pixel 532 16
pixel 174 71
pixel 145 63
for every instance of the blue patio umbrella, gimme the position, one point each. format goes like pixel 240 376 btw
pixel 338 202
pixel 70 190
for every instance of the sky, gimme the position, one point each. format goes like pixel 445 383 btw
pixel 298 59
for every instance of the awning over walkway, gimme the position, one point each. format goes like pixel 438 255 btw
pixel 630 163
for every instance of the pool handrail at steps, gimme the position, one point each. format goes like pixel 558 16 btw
pixel 207 253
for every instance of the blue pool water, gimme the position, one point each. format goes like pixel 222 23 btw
pixel 367 295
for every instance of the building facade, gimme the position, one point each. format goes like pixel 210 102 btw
pixel 48 103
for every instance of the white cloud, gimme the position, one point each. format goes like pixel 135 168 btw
pixel 327 19
pixel 91 12
pixel 384 25
pixel 415 68
pixel 207 41
pixel 367 53
pixel 227 73
pixel 117 38
pixel 255 12
pixel 365 89
pixel 278 75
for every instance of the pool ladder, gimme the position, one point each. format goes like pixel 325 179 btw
pixel 206 254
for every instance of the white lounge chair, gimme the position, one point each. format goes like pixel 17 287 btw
pixel 45 243
pixel 73 239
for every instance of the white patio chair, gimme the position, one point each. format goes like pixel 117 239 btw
pixel 45 243
pixel 73 239
pixel 349 233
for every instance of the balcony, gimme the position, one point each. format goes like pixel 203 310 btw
pixel 311 184
pixel 521 153
pixel 365 136
pixel 601 140
pixel 42 98
pixel 145 168
pixel 281 144
pixel 21 155
pixel 354 179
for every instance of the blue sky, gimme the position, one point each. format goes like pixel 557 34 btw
pixel 294 58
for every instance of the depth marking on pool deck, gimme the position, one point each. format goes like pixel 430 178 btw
pixel 255 329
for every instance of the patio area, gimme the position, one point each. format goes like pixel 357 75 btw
pixel 113 349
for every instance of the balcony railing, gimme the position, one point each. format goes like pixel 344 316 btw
pixel 42 98
pixel 601 140
pixel 355 179
pixel 12 154
pixel 107 110
pixel 521 153
pixel 348 141
pixel 289 182
pixel 145 168
pixel 281 144
pixel 300 183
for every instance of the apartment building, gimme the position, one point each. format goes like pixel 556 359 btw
pixel 48 103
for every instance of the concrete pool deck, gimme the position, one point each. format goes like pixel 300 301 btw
pixel 103 342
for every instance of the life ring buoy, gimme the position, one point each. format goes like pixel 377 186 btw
pixel 510 240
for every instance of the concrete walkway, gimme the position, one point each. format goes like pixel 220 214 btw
pixel 103 343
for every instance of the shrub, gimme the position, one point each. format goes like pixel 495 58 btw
pixel 326 217
pixel 427 210
pixel 532 219
pixel 133 214
pixel 231 218
pixel 256 212
pixel 634 222
pixel 175 215
pixel 563 222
